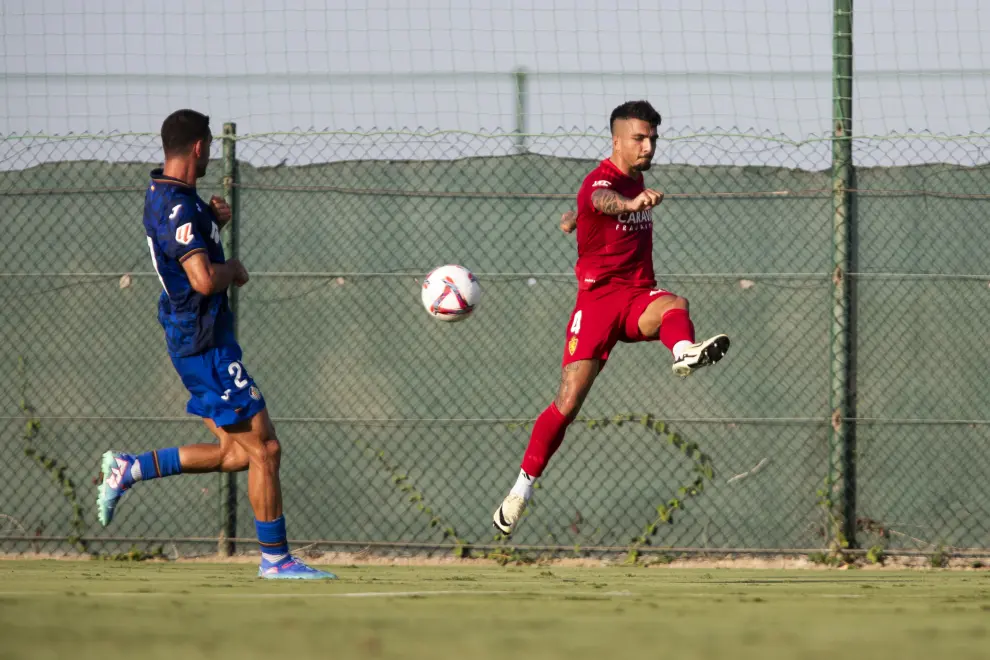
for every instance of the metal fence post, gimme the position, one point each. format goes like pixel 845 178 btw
pixel 841 482
pixel 519 76
pixel 228 480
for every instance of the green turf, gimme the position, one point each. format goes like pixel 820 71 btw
pixel 75 610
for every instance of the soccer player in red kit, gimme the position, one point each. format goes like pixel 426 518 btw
pixel 618 299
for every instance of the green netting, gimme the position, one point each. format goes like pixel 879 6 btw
pixel 397 429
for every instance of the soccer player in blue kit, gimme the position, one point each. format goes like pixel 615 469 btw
pixel 183 234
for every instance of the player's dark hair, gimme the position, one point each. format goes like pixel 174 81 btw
pixel 635 110
pixel 182 129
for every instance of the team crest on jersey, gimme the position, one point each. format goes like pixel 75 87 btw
pixel 255 393
pixel 572 345
pixel 184 233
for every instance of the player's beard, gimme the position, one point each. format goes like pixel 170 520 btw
pixel 201 169
pixel 642 167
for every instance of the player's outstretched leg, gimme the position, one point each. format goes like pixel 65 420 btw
pixel 545 440
pixel 119 471
pixel 667 319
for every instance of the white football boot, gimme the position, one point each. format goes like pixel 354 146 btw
pixel 701 354
pixel 508 514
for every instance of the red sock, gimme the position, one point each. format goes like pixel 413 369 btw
pixel 548 433
pixel 675 326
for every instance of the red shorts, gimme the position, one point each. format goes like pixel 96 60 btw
pixel 606 315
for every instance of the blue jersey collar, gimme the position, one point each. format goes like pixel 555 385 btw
pixel 158 176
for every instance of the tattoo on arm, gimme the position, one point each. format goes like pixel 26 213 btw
pixel 608 202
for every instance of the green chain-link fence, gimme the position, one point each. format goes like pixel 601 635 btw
pixel 401 431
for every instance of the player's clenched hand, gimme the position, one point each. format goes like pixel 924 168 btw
pixel 221 209
pixel 568 221
pixel 240 272
pixel 644 200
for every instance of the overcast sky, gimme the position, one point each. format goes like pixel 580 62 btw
pixel 122 65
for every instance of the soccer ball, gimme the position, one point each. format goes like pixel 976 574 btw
pixel 450 293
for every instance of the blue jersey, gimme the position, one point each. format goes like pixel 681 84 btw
pixel 178 225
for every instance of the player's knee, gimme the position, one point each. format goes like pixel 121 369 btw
pixel 679 302
pixel 265 451
pixel 272 451
pixel 569 404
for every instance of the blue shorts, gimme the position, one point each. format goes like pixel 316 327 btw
pixel 220 388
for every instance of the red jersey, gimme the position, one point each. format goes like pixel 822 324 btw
pixel 614 248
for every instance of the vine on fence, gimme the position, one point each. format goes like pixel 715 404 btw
pixel 838 544
pixel 56 471
pixel 403 484
pixel 702 468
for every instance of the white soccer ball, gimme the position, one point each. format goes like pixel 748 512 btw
pixel 450 293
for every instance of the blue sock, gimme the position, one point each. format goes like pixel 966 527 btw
pixel 272 539
pixel 156 464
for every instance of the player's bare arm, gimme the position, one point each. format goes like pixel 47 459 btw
pixel 208 278
pixel 221 210
pixel 610 202
pixel 568 221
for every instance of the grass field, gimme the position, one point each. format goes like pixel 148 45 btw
pixel 77 610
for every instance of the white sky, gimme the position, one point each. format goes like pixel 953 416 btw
pixel 122 65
